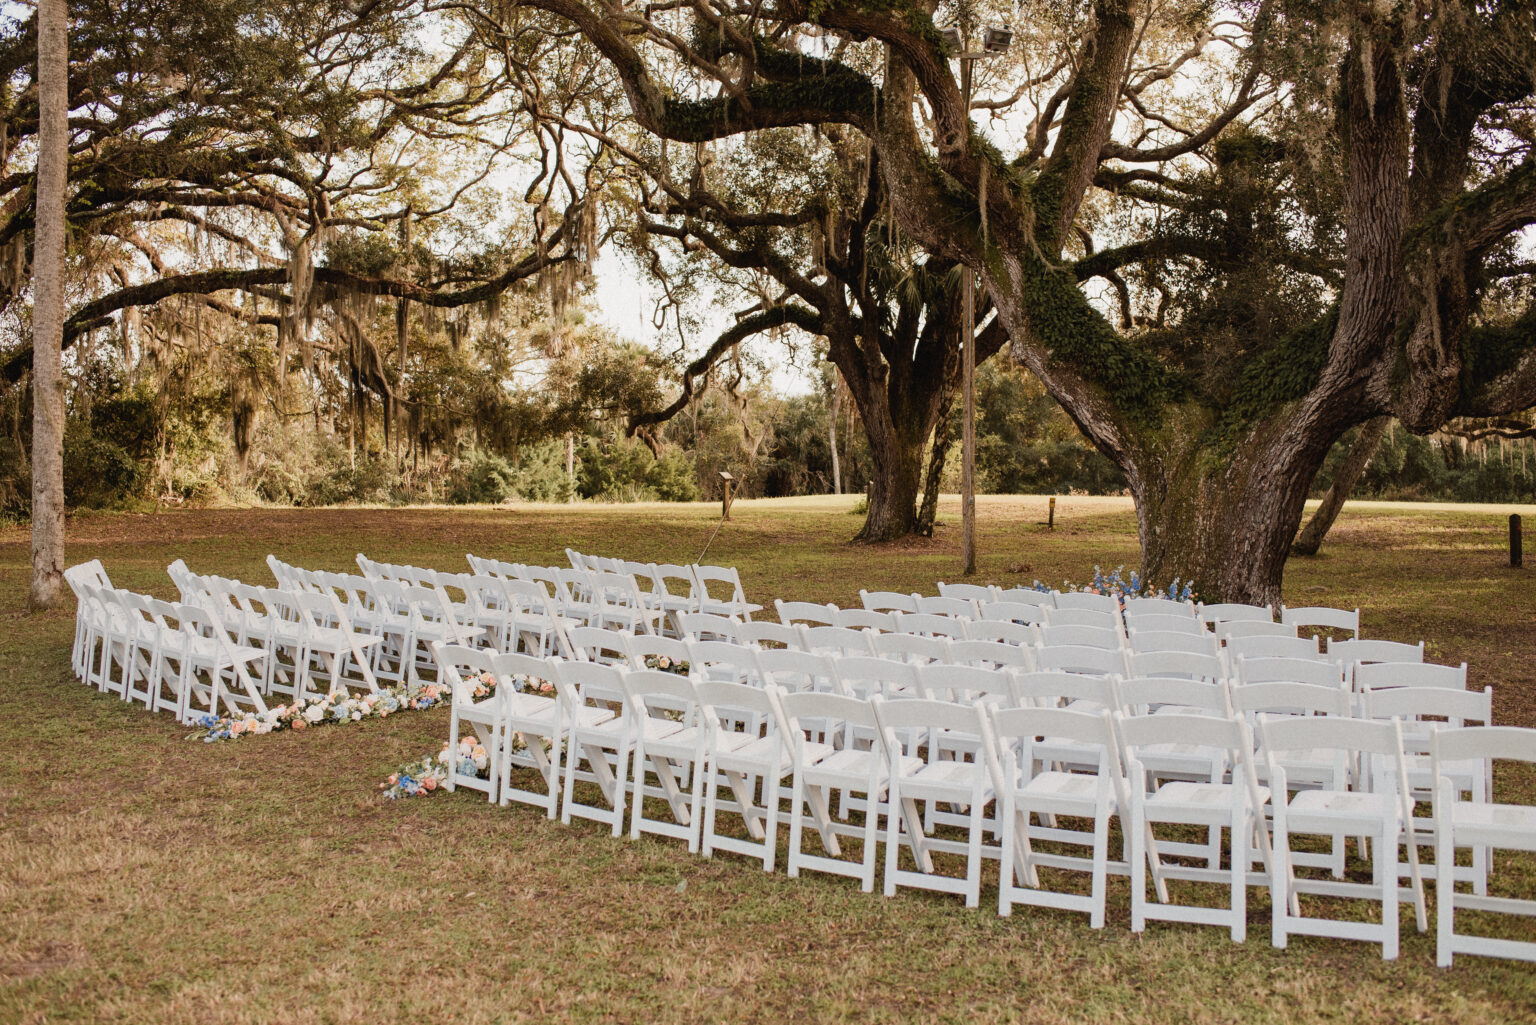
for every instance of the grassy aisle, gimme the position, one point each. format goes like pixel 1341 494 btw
pixel 148 879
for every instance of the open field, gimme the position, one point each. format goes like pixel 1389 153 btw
pixel 147 879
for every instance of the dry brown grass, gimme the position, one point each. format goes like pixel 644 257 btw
pixel 148 879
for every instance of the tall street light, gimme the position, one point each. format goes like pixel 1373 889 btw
pixel 994 43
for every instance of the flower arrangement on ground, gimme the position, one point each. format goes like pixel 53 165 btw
pixel 1116 584
pixel 328 709
pixel 666 665
pixel 426 775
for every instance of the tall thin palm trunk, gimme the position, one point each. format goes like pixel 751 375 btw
pixel 48 308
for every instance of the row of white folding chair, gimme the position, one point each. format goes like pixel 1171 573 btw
pixel 715 589
pixel 87 626
pixel 168 656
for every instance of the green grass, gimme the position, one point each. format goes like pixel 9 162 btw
pixel 149 879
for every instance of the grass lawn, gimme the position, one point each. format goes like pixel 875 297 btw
pixel 144 878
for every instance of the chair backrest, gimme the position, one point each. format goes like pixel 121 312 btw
pixel 1159 607
pixel 578 560
pixel 864 676
pixel 1077 658
pixel 794 670
pixel 734 707
pixel 731 593
pixel 1374 651
pixel 90 572
pixel 767 634
pixel 946 606
pixel 1027 596
pixel 455 662
pixel 835 640
pixel 1229 629
pixel 1109 603
pixel 1081 636
pixel 1229 611
pixel 1321 616
pixel 1254 699
pixel 926 624
pixel 1140 695
pixel 652 651
pixel 963 683
pixel 1015 732
pixel 1048 688
pixel 287 576
pixel 1487 743
pixel 1225 739
pixel 1452 708
pixel 724 660
pixel 706 626
pixel 888 601
pixel 1014 612
pixel 1154 623
pixel 1202 643
pixel 671 581
pixel 924 719
pixel 1383 740
pixel 1384 675
pixel 968 592
pixel 1182 664
pixel 807 713
pixel 657 693
pixel 1073 616
pixel 910 647
pixel 578 683
pixel 792 612
pixel 992 630
pixel 864 619
pixel 595 644
pixel 1247 671
pixel 1274 647
pixel 523 672
pixel 992 655
pixel 492 567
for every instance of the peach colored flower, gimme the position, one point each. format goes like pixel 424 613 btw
pixel 299 724
pixel 429 784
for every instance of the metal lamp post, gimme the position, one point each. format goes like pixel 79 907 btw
pixel 995 42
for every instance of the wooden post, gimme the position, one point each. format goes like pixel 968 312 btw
pixel 727 483
pixel 1050 514
pixel 1516 556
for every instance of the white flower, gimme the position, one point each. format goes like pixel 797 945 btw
pixel 314 713
pixel 356 716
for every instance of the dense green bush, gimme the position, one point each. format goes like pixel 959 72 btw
pixel 625 471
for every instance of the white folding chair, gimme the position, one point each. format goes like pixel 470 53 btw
pixel 953 772
pixel 210 656
pixel 809 613
pixel 486 717
pixel 835 640
pixel 1148 622
pixel 1319 616
pixel 1026 596
pixel 1328 812
pixel 992 654
pixel 910 647
pixel 1203 643
pixel 1267 669
pixel 706 626
pixel 87 621
pixel 1274 647
pixel 766 634
pixel 864 619
pixel 1236 806
pixel 1229 630
pixel 888 601
pixel 1389 675
pixel 1137 607
pixel 594 644
pixel 603 744
pixel 727 598
pixel 670 743
pixel 1232 611
pixel 925 624
pixel 1078 658
pixel 1356 652
pixel 724 661
pixel 1023 613
pixel 743 744
pixel 968 592
pixel 989 630
pixel 947 605
pixel 1028 783
pixel 1105 638
pixel 1088 600
pixel 815 779
pixel 1478 825
pixel 653 651
pixel 1186 664
pixel 1097 618
pixel 534 728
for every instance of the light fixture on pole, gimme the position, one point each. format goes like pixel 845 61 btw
pixel 995 42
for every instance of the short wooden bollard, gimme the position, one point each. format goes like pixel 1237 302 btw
pixel 1050 514
pixel 1516 556
pixel 727 486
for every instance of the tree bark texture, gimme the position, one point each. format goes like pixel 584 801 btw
pixel 47 590
pixel 1360 453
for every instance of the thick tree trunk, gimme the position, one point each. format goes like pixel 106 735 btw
pixel 1311 537
pixel 47 589
pixel 834 405
pixel 942 439
pixel 1224 520
pixel 898 461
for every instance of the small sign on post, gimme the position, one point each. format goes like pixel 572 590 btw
pixel 1516 556
pixel 1050 515
pixel 727 494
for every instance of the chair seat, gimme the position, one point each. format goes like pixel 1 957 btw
pixel 1508 825
pixel 939 779
pixel 848 769
pixel 1202 801
pixel 1061 786
pixel 329 638
pixel 1334 806
pixel 763 755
